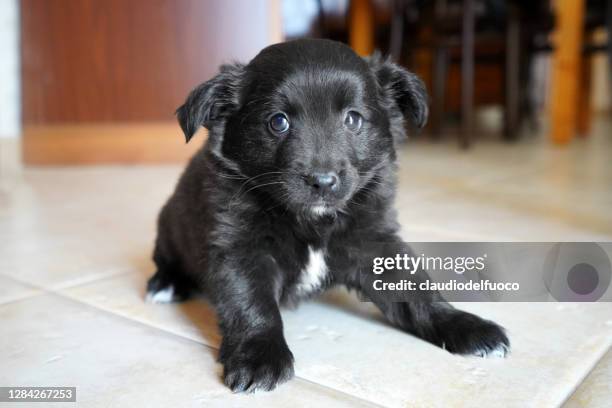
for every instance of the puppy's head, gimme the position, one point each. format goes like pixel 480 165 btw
pixel 309 121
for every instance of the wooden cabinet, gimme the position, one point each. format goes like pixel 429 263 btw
pixel 96 73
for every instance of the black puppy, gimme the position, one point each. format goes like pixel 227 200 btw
pixel 297 173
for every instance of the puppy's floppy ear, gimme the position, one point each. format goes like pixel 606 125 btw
pixel 402 88
pixel 211 101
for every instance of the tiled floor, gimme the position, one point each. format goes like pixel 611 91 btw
pixel 74 256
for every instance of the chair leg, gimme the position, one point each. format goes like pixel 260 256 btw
pixel 609 24
pixel 361 26
pixel 467 74
pixel 321 23
pixel 513 69
pixel 397 30
pixel 583 100
pixel 565 73
pixel 440 72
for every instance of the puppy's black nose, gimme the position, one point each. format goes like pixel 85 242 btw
pixel 323 182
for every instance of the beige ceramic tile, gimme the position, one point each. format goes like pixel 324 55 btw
pixel 124 295
pixel 478 219
pixel 552 350
pixel 596 390
pixel 115 362
pixel 344 344
pixel 577 208
pixel 61 227
pixel 523 191
pixel 11 290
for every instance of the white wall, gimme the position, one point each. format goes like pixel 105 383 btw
pixel 10 125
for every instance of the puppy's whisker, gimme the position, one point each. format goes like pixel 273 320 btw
pixel 239 194
pixel 280 201
pixel 270 173
pixel 263 185
pixel 231 177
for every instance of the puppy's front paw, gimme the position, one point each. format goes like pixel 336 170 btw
pixel 257 364
pixel 464 333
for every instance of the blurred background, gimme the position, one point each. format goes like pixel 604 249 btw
pixel 520 98
pixel 92 81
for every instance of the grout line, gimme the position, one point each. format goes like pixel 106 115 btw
pixel 32 286
pixel 459 235
pixel 347 395
pixel 91 280
pixel 134 319
pixel 122 317
pixel 25 297
pixel 36 291
pixel 208 346
pixel 39 290
pixel 587 373
pixel 472 192
pixel 68 285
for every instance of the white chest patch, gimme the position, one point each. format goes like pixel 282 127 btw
pixel 314 273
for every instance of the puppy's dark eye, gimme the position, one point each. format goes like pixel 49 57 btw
pixel 279 123
pixel 353 121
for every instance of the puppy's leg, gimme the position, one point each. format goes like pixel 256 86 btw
pixel 440 324
pixel 169 283
pixel 429 317
pixel 253 351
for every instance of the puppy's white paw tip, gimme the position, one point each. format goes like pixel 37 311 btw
pixel 165 295
pixel 500 351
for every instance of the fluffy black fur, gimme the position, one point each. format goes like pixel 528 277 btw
pixel 247 220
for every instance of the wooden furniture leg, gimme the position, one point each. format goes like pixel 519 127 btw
pixel 467 74
pixel 513 37
pixel 609 27
pixel 361 26
pixel 566 69
pixel 440 73
pixel 583 99
pixel 396 41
